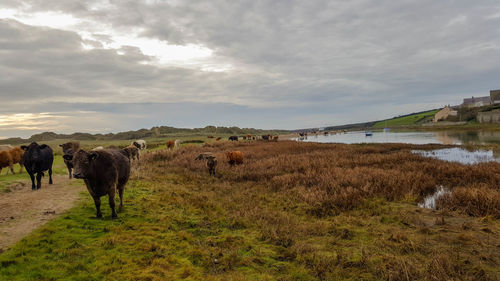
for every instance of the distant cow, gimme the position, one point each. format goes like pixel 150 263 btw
pixel 218 138
pixel 6 161
pixel 68 149
pixel 132 152
pixel 177 143
pixel 170 144
pixel 97 148
pixel 104 172
pixel 37 159
pixel 17 157
pixel 233 138
pixel 141 144
pixel 275 138
pixel 211 165
pixel 266 137
pixel 210 137
pixel 5 147
pixel 234 157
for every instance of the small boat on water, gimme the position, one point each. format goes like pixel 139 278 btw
pixel 368 133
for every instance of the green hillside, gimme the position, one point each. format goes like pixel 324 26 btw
pixel 408 120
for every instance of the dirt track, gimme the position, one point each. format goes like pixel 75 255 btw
pixel 23 210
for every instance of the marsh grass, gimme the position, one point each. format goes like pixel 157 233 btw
pixel 291 211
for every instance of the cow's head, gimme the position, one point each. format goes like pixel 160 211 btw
pixel 33 153
pixel 136 144
pixel 82 161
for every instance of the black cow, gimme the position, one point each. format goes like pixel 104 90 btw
pixel 38 159
pixel 233 138
pixel 68 149
pixel 265 137
pixel 104 171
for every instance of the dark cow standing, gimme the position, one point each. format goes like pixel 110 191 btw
pixel 68 149
pixel 104 172
pixel 37 159
pixel 233 138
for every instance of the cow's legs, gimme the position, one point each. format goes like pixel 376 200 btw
pixel 97 202
pixel 50 175
pixel 120 193
pixel 32 176
pixel 39 180
pixel 11 167
pixel 69 173
pixel 111 197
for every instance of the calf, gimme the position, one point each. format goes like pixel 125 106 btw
pixel 211 165
pixel 6 161
pixel 104 172
pixel 233 138
pixel 141 144
pixel 234 157
pixel 37 159
pixel 68 149
pixel 132 152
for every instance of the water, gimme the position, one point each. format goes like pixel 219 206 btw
pixel 441 137
pixel 430 201
pixel 460 155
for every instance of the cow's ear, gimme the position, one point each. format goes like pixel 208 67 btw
pixel 93 156
pixel 24 147
pixel 43 146
pixel 68 157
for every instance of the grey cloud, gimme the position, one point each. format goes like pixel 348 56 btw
pixel 306 59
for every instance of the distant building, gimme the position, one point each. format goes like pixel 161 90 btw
pixel 489 116
pixel 444 113
pixel 495 96
pixel 477 101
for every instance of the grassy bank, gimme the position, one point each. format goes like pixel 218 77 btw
pixel 292 211
pixel 410 120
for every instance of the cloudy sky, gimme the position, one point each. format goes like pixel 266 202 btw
pixel 109 65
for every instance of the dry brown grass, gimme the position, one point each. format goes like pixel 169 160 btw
pixel 331 178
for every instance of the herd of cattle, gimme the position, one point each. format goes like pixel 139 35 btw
pixel 104 170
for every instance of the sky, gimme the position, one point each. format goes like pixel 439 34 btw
pixel 103 66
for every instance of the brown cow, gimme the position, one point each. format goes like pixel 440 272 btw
pixel 132 152
pixel 17 157
pixel 234 157
pixel 68 149
pixel 218 138
pixel 170 144
pixel 6 161
pixel 104 172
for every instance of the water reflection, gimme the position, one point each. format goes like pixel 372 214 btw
pixel 460 155
pixel 440 137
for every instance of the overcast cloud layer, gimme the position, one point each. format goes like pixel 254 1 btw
pixel 101 66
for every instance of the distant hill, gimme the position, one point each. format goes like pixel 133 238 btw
pixel 155 132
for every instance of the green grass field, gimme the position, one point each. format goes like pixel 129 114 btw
pixel 406 120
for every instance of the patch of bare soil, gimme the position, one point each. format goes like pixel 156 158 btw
pixel 22 210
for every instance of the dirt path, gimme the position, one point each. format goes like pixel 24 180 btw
pixel 23 210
